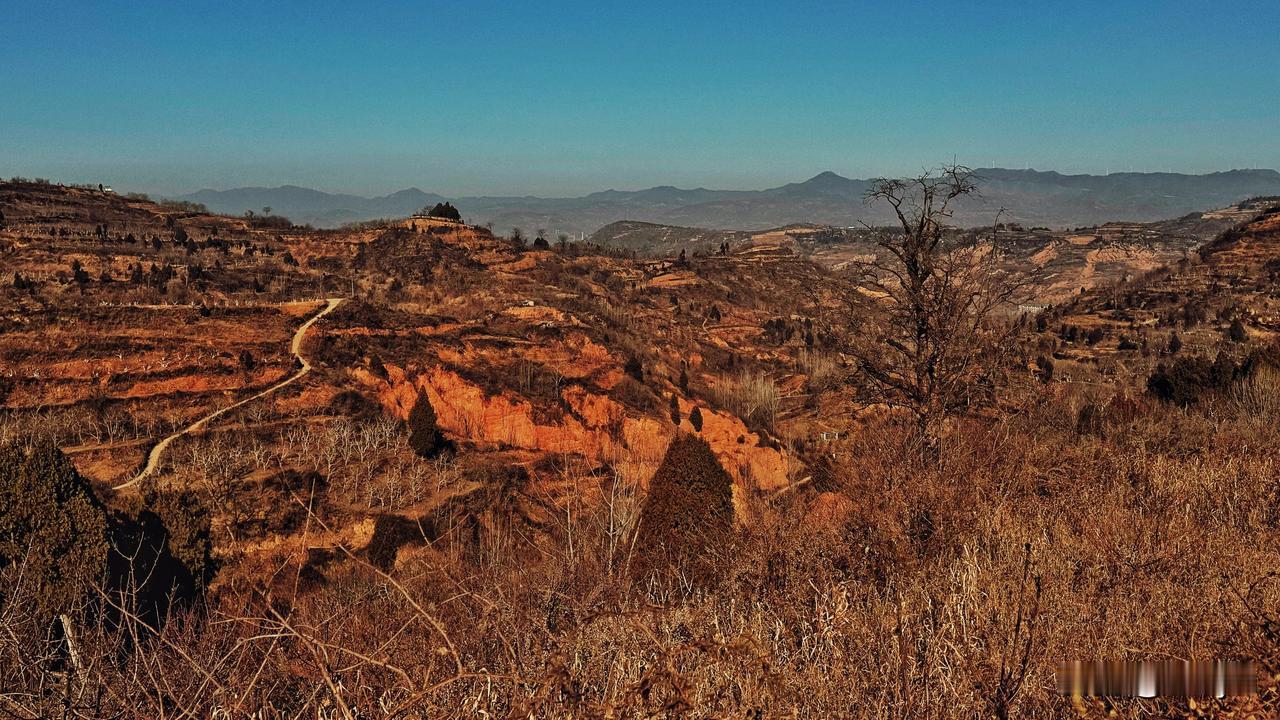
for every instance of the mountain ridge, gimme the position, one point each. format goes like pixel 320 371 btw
pixel 1038 197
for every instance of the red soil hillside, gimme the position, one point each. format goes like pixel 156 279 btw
pixel 127 320
pixel 1122 330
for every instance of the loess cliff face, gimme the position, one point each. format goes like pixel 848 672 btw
pixel 577 354
pixel 594 427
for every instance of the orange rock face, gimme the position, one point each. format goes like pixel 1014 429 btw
pixel 596 427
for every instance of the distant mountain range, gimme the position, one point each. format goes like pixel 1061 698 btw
pixel 1029 197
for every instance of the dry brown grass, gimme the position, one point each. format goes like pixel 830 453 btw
pixel 752 396
pixel 822 368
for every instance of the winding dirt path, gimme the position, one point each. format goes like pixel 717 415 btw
pixel 295 347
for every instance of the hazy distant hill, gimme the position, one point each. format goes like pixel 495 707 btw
pixel 1031 197
pixel 304 205
pixel 654 239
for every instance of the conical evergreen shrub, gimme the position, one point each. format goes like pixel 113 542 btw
pixel 424 436
pixel 52 524
pixel 685 529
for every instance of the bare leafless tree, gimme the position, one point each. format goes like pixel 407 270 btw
pixel 928 316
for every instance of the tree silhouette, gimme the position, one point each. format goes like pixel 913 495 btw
pixel 923 339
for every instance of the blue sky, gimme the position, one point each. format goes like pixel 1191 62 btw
pixel 560 98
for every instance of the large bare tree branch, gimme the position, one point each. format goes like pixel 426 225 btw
pixel 930 321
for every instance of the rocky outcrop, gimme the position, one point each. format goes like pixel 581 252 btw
pixel 595 426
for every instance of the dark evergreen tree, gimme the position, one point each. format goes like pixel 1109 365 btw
pixel 1044 367
pixel 634 368
pixel 1222 372
pixel 445 210
pixel 695 419
pixel 686 524
pixel 1237 333
pixel 51 522
pixel 78 273
pixel 162 553
pixel 1188 378
pixel 424 436
pixel 188 531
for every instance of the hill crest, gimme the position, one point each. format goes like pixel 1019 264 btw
pixel 1036 197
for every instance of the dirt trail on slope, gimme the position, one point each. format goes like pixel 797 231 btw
pixel 153 458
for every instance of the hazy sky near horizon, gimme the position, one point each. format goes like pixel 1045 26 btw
pixel 562 98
